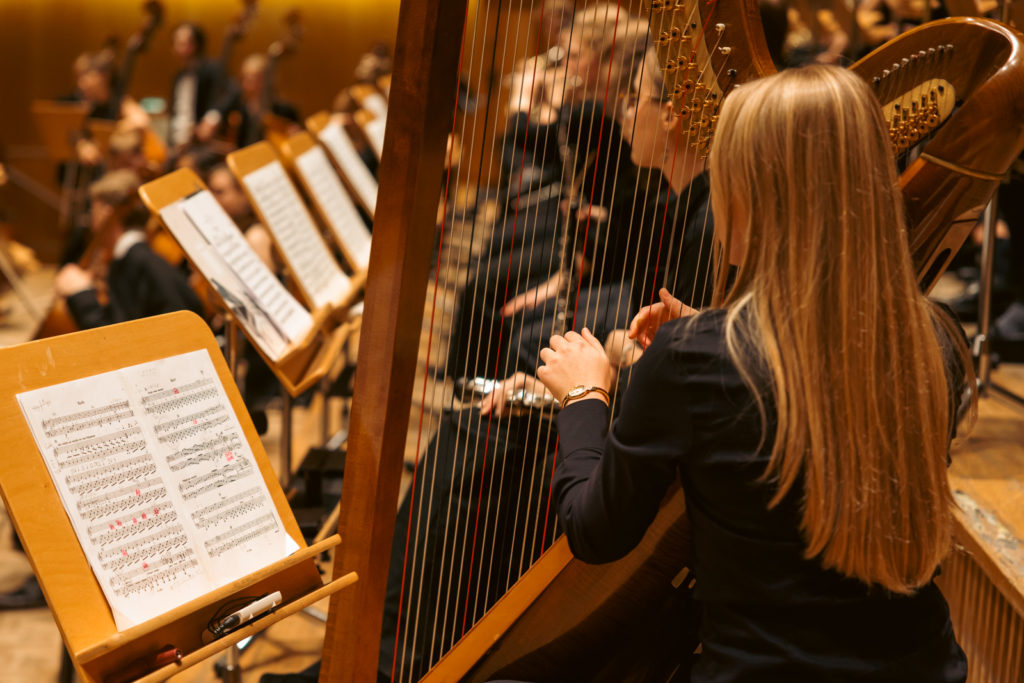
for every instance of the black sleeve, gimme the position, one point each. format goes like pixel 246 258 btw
pixel 608 488
pixel 88 312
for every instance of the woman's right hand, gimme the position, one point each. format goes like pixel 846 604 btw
pixel 646 323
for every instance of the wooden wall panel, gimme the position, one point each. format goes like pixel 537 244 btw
pixel 39 39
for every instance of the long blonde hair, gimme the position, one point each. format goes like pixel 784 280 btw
pixel 825 316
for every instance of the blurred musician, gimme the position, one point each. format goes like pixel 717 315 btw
pixel 248 105
pixel 136 281
pixel 196 85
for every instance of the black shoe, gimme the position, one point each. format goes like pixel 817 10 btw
pixel 27 596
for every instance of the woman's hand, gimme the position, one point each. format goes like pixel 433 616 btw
pixel 650 318
pixel 497 400
pixel 574 360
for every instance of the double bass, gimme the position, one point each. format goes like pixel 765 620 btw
pixel 932 83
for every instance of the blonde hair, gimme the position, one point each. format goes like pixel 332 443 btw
pixel 825 314
pixel 613 35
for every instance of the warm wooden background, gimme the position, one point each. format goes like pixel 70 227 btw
pixel 39 39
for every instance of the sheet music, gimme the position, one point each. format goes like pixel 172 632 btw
pixel 332 197
pixel 159 482
pixel 344 152
pixel 295 233
pixel 268 313
pixel 375 134
pixel 376 104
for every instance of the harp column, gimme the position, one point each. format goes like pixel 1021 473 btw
pixel 423 89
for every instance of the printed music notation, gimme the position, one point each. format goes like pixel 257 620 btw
pixel 295 233
pixel 344 152
pixel 342 215
pixel 271 317
pixel 158 480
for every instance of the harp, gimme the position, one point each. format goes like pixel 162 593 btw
pixel 705 49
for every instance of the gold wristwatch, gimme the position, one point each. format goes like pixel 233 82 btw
pixel 581 390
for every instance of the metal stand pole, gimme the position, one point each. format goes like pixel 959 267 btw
pixel 286 437
pixel 981 349
pixel 231 329
pixel 229 669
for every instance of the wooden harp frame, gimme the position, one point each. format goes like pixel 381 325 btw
pixel 422 94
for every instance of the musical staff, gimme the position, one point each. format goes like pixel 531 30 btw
pixel 213 449
pixel 356 172
pixel 229 508
pixel 153 468
pixel 222 543
pixel 293 230
pixel 196 486
pixel 342 215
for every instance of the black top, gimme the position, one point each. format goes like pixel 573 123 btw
pixel 140 284
pixel 210 81
pixel 768 613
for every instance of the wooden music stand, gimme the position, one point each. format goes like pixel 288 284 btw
pixel 372 129
pixel 60 124
pixel 293 148
pixel 317 124
pixel 306 361
pixel 86 623
pixel 253 158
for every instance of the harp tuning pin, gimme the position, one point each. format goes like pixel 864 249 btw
pixel 675 33
pixel 657 5
pixel 885 73
pixel 725 50
pixel 876 80
pixel 731 73
pixel 663 38
pixel 720 28
pixel 680 5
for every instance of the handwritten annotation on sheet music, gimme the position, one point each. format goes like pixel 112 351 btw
pixel 158 480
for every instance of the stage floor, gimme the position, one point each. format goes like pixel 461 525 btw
pixel 987 475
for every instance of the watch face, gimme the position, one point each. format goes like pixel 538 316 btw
pixel 578 391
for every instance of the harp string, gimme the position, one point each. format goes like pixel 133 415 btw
pixel 467 247
pixel 433 307
pixel 595 278
pixel 546 426
pixel 437 399
pixel 464 258
pixel 451 573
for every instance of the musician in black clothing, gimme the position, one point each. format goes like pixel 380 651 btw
pixel 139 283
pixel 808 413
pixel 198 84
pixel 247 106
